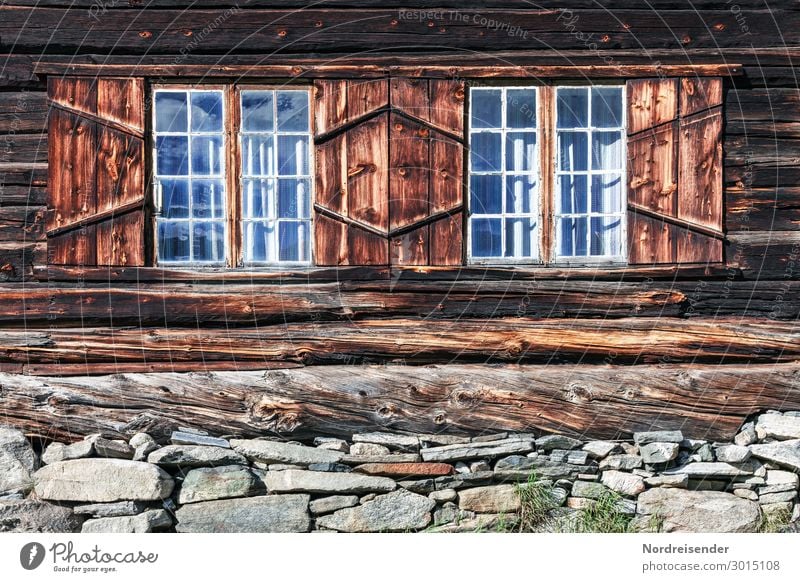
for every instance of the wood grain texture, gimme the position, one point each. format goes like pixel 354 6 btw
pixel 651 102
pixel 700 170
pixel 699 94
pixel 591 402
pixel 119 100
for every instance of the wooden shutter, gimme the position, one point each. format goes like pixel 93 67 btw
pixel 96 172
pixel 426 171
pixel 675 170
pixel 352 181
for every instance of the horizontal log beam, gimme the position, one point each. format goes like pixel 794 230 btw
pixel 413 341
pixel 704 401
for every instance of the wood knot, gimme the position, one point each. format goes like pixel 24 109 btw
pixel 318 24
pixel 187 33
pixel 440 418
pixel 282 33
pixel 719 26
pixel 578 393
pixel 423 132
pixel 605 38
pixel 145 34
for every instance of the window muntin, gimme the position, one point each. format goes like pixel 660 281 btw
pixel 503 175
pixel 589 218
pixel 190 176
pixel 275 140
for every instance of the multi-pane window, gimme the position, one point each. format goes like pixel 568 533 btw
pixel 276 176
pixel 190 176
pixel 271 201
pixel 503 179
pixel 589 211
pixel 509 218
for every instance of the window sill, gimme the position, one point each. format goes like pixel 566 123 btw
pixel 277 275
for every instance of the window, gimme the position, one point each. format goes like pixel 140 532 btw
pixel 211 208
pixel 508 222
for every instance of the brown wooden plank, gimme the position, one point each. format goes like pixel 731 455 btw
pixel 446 173
pixel 330 104
pixel 120 240
pixel 330 187
pixel 446 246
pixel 411 96
pixel 694 247
pixel 364 97
pixel 651 241
pixel 411 248
pixel 447 105
pixel 700 170
pixel 122 101
pixel 365 248
pixel 707 402
pixel 330 241
pixel 77 93
pixel 120 169
pixel 76 247
pixel 652 169
pixel 698 94
pixel 409 155
pixel 651 102
pixel 368 172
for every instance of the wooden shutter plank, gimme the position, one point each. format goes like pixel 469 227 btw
pixel 364 97
pixel 694 247
pixel 120 240
pixel 330 105
pixel 445 247
pixel 76 247
pixel 651 241
pixel 652 168
pixel 411 96
pixel 409 154
pixel 651 102
pixel 700 170
pixel 75 93
pixel 331 159
pixel 365 248
pixel 330 238
pixel 368 171
pixel 119 100
pixel 699 93
pixel 447 105
pixel 120 169
pixel 411 248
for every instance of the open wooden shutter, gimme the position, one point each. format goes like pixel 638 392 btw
pixel 675 170
pixel 426 171
pixel 352 162
pixel 96 172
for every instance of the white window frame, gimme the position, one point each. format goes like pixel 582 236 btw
pixel 536 212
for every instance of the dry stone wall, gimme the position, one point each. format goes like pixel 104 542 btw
pixel 383 482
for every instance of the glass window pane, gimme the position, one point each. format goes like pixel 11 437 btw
pixel 173 241
pixel 208 242
pixel 258 157
pixel 171 112
pixel 293 241
pixel 607 150
pixel 606 236
pixel 206 155
pixel 573 151
pixel 174 198
pixel 521 108
pixel 607 107
pixel 572 237
pixel 607 193
pixel 520 237
pixel 257 111
pixel 572 107
pixel 259 195
pixel 485 152
pixel 294 198
pixel 521 151
pixel 486 108
pixel 293 155
pixel 206 111
pixel 292 110
pixel 573 197
pixel 208 198
pixel 172 158
pixel 258 241
pixel 486 194
pixel 520 194
pixel 486 237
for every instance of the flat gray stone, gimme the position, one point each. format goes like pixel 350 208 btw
pixel 143 523
pixel 57 452
pixel 389 458
pixel 330 467
pixel 555 441
pixel 365 449
pixel 294 481
pixel 209 483
pixel 491 499
pixel 190 438
pixel 779 488
pixel 280 452
pixel 778 497
pixel 17 462
pixel 746 494
pixel 776 477
pixel 778 426
pixel 699 511
pixel 680 481
pixel 623 483
pixel 571 457
pixel 656 453
pixel 393 441
pixel 398 511
pixel 710 470
pixel 471 451
pixel 732 454
pixel 102 480
pixel 658 436
pixel 333 503
pixel 195 456
pixel 34 516
pixel 332 444
pixel 444 495
pixel 143 444
pixel 112 449
pixel 460 481
pixel 520 468
pixel 621 462
pixel 747 436
pixel 117 509
pixel 785 453
pixel 588 489
pixel 600 449
pixel 263 514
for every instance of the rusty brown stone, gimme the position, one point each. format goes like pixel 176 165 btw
pixel 406 469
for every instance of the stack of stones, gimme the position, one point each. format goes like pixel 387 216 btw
pixel 383 482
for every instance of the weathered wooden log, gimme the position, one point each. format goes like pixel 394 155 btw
pixel 707 402
pixel 413 341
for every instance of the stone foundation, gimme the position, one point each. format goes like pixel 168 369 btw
pixel 382 482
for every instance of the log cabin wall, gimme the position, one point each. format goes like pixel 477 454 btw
pixel 606 330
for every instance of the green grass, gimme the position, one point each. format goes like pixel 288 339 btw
pixel 604 516
pixel 775 521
